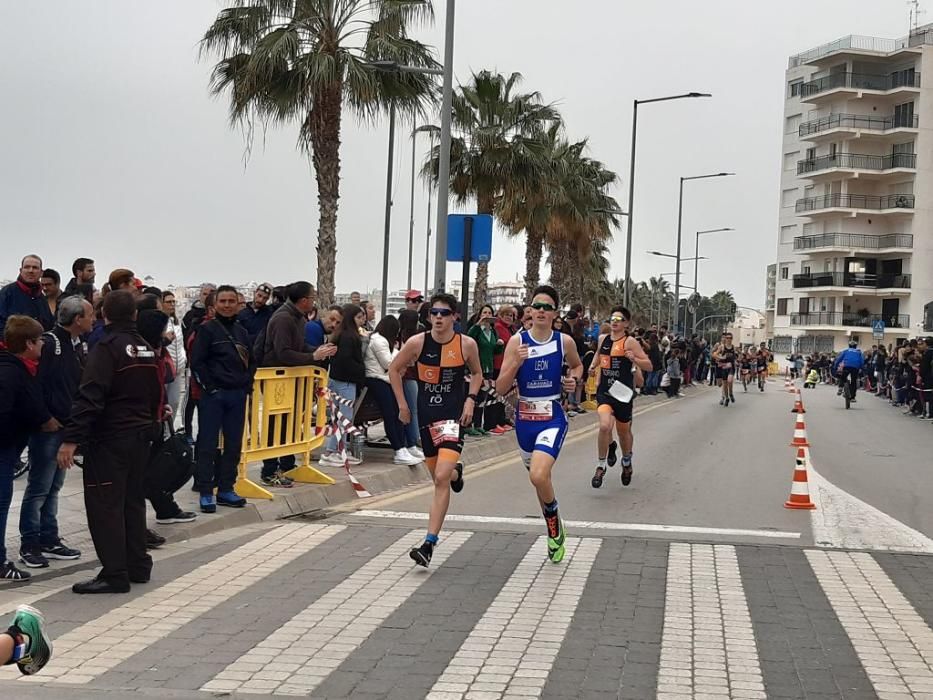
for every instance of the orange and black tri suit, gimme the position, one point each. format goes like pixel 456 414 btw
pixel 614 366
pixel 441 395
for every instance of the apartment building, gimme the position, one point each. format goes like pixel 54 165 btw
pixel 856 194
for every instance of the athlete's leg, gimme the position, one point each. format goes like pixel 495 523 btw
pixel 605 430
pixel 540 462
pixel 539 473
pixel 627 440
pixel 444 470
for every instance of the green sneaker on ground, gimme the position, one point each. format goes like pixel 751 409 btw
pixel 555 537
pixel 30 622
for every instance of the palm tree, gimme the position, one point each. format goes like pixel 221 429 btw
pixel 299 61
pixel 488 119
pixel 723 302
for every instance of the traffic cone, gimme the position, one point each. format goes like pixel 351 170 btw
pixel 800 433
pixel 800 486
pixel 798 404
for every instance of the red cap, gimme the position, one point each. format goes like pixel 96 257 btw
pixel 413 294
pixel 138 283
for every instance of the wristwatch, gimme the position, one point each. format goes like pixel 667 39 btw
pixel 472 396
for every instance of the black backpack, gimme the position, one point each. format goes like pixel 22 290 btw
pixel 172 460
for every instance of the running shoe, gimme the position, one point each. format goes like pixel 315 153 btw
pixel 416 451
pixel 329 459
pixel 29 622
pixel 473 432
pixel 555 537
pixel 33 558
pixel 9 572
pixel 611 457
pixel 626 473
pixel 456 485
pixel 422 555
pixel 277 480
pixel 499 430
pixel 597 479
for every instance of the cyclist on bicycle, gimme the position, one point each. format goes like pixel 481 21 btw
pixel 847 366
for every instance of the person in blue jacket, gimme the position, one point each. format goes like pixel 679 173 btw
pixel 847 366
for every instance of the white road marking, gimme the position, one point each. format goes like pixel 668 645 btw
pixel 845 522
pixel 94 648
pixel 585 524
pixel 512 648
pixel 707 645
pixel 892 641
pixel 298 656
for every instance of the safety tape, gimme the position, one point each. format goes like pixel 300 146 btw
pixel 341 427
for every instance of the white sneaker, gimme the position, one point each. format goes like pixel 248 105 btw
pixel 416 452
pixel 353 461
pixel 331 459
pixel 403 456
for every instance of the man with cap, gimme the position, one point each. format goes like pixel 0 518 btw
pixel 413 300
pixel 256 315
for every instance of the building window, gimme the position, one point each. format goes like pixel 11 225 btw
pixel 795 87
pixel 785 271
pixel 787 233
pixel 789 197
pixel 790 160
pixel 792 124
pixel 782 307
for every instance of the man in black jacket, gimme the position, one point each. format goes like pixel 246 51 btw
pixel 223 367
pixel 113 418
pixel 255 316
pixel 197 312
pixel 63 356
pixel 24 296
pixel 83 272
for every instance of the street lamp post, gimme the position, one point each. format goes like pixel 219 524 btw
pixel 443 167
pixel 631 183
pixel 411 217
pixel 696 265
pixel 680 216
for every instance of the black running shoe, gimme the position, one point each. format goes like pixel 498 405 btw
pixel 597 480
pixel 154 540
pixel 626 474
pixel 611 457
pixel 422 555
pixel 456 485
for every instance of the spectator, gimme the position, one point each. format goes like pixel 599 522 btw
pixel 370 310
pixel 22 412
pixel 198 309
pixel 674 373
pixel 24 296
pixel 51 283
pixel 223 365
pixel 255 316
pixel 59 373
pixel 124 279
pixel 413 300
pixel 113 418
pixel 85 291
pixel 408 327
pixel 347 371
pixel 356 299
pixel 176 352
pixel 193 390
pixel 381 350
pixel 925 346
pixel 490 345
pixel 83 272
pixel 283 345
pixel 316 331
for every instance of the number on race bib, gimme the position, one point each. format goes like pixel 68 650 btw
pixel 535 410
pixel 444 431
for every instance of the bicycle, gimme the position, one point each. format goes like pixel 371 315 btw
pixel 846 389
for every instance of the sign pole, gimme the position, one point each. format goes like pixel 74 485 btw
pixel 467 253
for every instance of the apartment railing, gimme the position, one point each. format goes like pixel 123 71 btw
pixel 846 318
pixel 851 279
pixel 860 81
pixel 857 161
pixel 857 121
pixel 856 201
pixel 854 241
pixel 853 41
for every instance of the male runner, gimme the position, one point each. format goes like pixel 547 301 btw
pixel 762 360
pixel 724 355
pixel 616 359
pixel 442 358
pixel 537 356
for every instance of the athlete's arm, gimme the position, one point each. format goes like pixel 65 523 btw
pixel 594 365
pixel 637 354
pixel 572 358
pixel 471 356
pixel 716 352
pixel 403 360
pixel 511 361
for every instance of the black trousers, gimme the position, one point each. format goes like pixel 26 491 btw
pixel 114 497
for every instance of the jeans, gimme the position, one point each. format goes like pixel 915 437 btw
pixel 224 412
pixel 173 394
pixel 9 457
pixel 388 407
pixel 38 518
pixel 648 388
pixel 411 398
pixel 346 390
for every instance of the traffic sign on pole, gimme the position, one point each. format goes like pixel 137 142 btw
pixel 877 329
pixel 480 240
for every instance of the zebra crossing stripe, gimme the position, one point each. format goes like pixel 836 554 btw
pixel 96 647
pixel 297 657
pixel 892 641
pixel 512 648
pixel 707 643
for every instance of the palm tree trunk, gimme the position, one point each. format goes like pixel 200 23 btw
pixel 561 270
pixel 485 202
pixel 325 146
pixel 534 247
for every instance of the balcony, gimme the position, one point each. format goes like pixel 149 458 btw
pixel 894 242
pixel 856 162
pixel 862 280
pixel 888 203
pixel 856 123
pixel 858 82
pixel 849 319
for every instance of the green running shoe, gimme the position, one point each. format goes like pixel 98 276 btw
pixel 555 537
pixel 30 622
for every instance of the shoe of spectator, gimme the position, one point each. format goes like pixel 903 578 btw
pixel 403 456
pixel 473 432
pixel 415 451
pixel 284 478
pixel 153 539
pixel 579 409
pixel 60 550
pixel 207 503
pixel 33 558
pixel 276 481
pixel 9 572
pixel 230 499
pixel 353 461
pixel 330 459
pixel 179 516
pixel 499 430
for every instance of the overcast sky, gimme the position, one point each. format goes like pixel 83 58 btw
pixel 111 147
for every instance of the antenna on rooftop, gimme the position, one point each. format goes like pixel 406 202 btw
pixel 915 12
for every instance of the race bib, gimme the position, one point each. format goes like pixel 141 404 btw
pixel 444 431
pixel 621 392
pixel 536 410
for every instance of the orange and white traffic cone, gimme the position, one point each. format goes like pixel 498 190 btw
pixel 800 433
pixel 800 486
pixel 798 404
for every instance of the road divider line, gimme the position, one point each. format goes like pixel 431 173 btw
pixel 892 641
pixel 585 524
pixel 511 650
pixel 302 653
pixel 707 644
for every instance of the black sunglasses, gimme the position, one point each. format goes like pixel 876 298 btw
pixel 543 306
pixel 441 312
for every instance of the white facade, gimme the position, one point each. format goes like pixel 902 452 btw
pixel 856 204
pixel 500 293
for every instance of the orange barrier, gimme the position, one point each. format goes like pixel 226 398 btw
pixel 800 486
pixel 286 414
pixel 800 433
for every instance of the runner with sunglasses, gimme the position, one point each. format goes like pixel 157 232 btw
pixel 536 357
pixel 616 359
pixel 442 358
pixel 725 356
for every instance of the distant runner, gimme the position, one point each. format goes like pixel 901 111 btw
pixel 724 355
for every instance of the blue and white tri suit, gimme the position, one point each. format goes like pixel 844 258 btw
pixel 540 421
